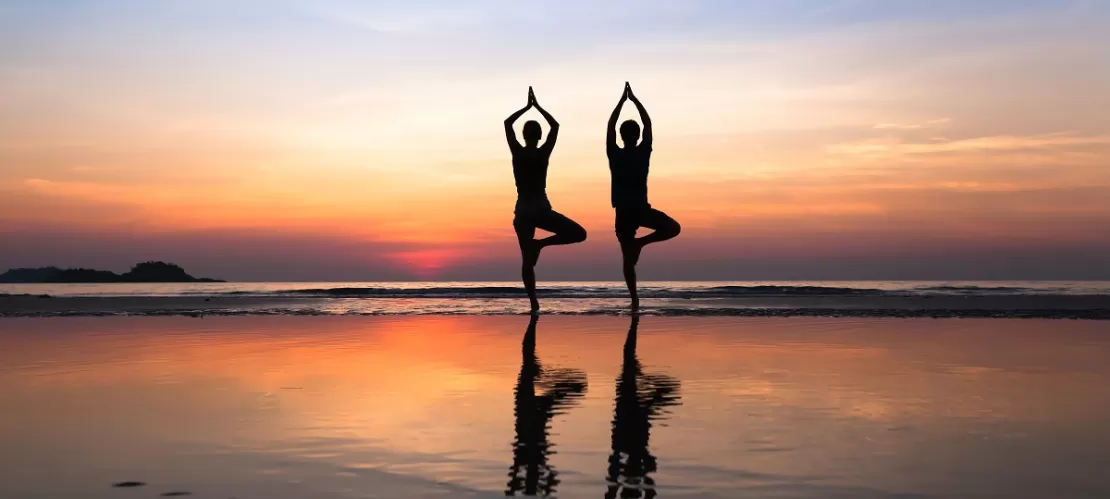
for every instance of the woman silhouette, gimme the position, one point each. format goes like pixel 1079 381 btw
pixel 560 388
pixel 533 210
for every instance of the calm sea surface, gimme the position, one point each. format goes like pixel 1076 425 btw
pixel 576 289
pixel 596 406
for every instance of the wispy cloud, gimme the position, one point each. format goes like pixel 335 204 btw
pixel 914 126
pixel 794 121
pixel 406 18
pixel 992 143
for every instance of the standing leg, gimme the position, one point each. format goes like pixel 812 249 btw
pixel 525 234
pixel 630 252
pixel 565 231
pixel 626 224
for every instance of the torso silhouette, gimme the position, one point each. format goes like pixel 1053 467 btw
pixel 628 167
pixel 530 173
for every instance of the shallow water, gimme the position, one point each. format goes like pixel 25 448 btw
pixel 569 289
pixel 436 406
pixel 926 299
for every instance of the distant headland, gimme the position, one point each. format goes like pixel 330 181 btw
pixel 143 272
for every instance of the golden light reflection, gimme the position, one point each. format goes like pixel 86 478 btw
pixel 433 396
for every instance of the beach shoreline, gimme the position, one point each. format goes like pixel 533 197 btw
pixel 1089 307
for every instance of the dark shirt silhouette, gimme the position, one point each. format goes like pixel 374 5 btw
pixel 641 398
pixel 628 169
pixel 530 473
pixel 533 210
pixel 530 173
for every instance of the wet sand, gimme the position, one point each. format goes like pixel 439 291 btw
pixel 436 406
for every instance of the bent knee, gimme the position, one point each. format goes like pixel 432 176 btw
pixel 674 228
pixel 578 234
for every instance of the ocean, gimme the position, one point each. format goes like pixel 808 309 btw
pixel 1035 299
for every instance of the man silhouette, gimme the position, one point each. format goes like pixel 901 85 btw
pixel 641 399
pixel 532 207
pixel 628 168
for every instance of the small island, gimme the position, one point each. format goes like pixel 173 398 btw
pixel 143 272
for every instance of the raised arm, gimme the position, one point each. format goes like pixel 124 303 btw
pixel 510 134
pixel 552 135
pixel 611 130
pixel 647 137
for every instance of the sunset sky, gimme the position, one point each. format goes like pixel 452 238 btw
pixel 347 140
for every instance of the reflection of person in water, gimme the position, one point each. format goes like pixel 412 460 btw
pixel 641 398
pixel 558 389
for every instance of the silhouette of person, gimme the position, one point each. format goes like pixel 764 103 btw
pixel 532 207
pixel 628 167
pixel 640 399
pixel 530 473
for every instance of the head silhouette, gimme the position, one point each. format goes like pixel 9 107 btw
pixel 630 133
pixel 532 133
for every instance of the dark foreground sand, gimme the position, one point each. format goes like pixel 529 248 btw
pixel 464 406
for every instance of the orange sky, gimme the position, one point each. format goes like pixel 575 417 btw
pixel 331 141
